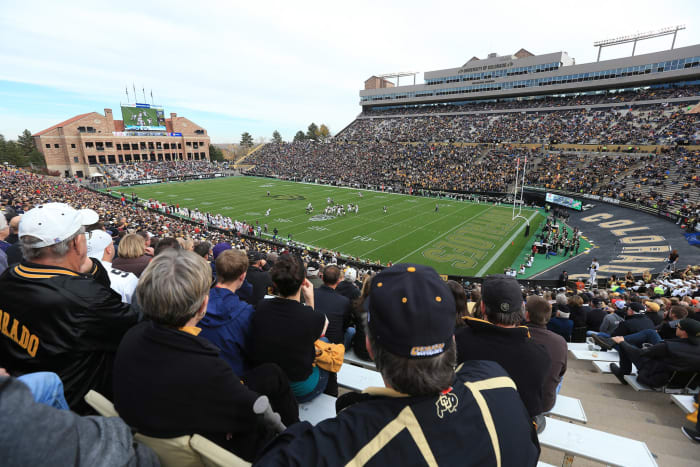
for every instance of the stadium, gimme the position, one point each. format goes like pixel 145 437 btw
pixel 579 181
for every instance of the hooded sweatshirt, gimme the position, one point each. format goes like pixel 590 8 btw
pixel 227 326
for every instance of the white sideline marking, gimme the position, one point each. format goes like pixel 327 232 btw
pixel 503 247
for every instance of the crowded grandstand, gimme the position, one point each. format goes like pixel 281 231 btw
pixel 204 340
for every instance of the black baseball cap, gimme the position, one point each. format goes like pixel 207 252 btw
pixel 254 255
pixel 692 327
pixel 410 311
pixel 636 307
pixel 502 293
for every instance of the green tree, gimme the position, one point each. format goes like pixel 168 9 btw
pixel 215 154
pixel 26 142
pixel 276 137
pixel 300 136
pixel 312 132
pixel 246 140
pixel 324 133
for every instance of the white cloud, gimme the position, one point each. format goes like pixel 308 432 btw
pixel 290 63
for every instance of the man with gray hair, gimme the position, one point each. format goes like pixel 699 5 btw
pixel 57 310
pixel 428 413
pixel 169 381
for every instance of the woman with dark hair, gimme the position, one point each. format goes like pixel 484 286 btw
pixel 283 330
pixel 460 296
pixel 359 316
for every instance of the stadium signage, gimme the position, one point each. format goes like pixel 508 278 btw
pixel 486 67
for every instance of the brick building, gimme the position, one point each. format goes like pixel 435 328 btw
pixel 75 147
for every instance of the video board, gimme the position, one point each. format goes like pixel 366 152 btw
pixel 143 117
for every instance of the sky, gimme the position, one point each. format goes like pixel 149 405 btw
pixel 262 66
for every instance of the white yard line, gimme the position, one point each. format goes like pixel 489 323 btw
pixel 504 246
pixel 439 237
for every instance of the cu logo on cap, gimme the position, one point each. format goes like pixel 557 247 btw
pixel 505 307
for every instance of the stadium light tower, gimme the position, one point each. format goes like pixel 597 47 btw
pixel 639 37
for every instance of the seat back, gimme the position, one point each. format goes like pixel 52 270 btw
pixel 172 452
pixel 101 404
pixel 213 455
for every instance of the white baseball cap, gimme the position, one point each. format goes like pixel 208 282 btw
pixel 97 241
pixel 52 223
pixel 3 221
pixel 350 274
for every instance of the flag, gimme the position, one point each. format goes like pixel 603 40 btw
pixel 693 238
pixel 127 93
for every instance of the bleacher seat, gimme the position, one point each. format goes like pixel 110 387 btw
pixel 599 446
pixel 686 403
pixel 611 356
pixel 183 451
pixel 318 409
pixel 569 408
pixel 357 379
pixel 352 358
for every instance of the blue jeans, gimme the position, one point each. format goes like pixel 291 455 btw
pixel 47 388
pixel 320 387
pixel 349 334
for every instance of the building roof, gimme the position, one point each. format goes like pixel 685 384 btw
pixel 522 53
pixel 63 123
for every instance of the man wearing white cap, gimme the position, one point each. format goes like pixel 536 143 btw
pixel 101 248
pixel 57 312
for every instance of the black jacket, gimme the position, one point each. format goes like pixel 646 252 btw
pixel 348 289
pixel 261 282
pixel 449 427
pixel 527 362
pixel 632 324
pixel 595 318
pixel 661 360
pixel 54 319
pixel 169 383
pixel 337 310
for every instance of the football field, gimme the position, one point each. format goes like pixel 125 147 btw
pixel 461 238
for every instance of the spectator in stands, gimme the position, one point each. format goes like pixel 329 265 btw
pixel 538 311
pixel 577 314
pixel 500 338
pixel 359 316
pixel 460 296
pixel 338 312
pixel 656 364
pixel 66 438
pixel 635 320
pixel 165 356
pixel 164 244
pixel 595 317
pixel 14 251
pixel 132 255
pixel 410 335
pixel 693 435
pixel 347 287
pixel 259 279
pixel 284 331
pixel 667 329
pixel 101 248
pixel 58 307
pixel 228 319
pixel 312 273
pixel 203 249
pixel 4 233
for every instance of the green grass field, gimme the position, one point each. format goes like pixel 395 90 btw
pixel 463 238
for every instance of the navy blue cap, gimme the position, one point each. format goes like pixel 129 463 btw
pixel 410 311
